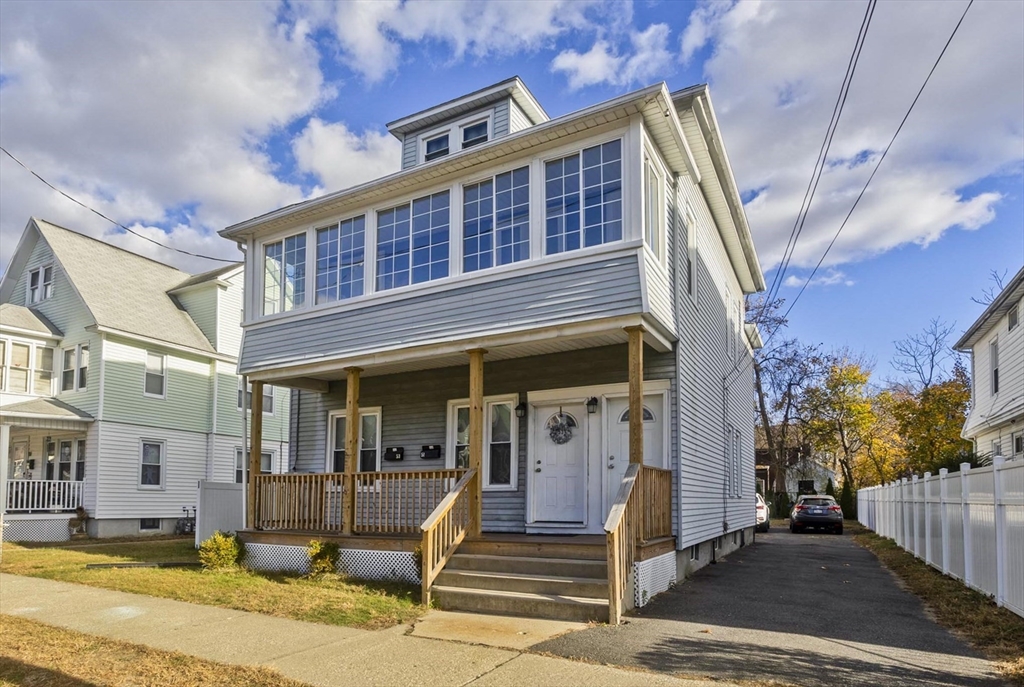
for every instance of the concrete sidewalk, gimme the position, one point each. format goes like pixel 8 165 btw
pixel 313 653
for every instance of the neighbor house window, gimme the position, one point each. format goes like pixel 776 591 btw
pixel 43 371
pixel 40 284
pixel 412 242
pixel 474 134
pixel 993 351
pixel 80 460
pixel 500 464
pixel 156 374
pixel 691 253
pixel 20 372
pixel 600 203
pixel 284 274
pixel 1013 316
pixel 151 467
pixel 75 370
pixel 496 221
pixel 266 464
pixel 268 397
pixel 3 364
pixel 652 206
pixel 435 147
pixel 64 461
pixel 369 440
pixel 340 250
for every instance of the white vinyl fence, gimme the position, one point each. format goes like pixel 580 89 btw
pixel 219 507
pixel 968 524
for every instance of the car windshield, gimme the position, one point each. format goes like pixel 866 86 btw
pixel 817 502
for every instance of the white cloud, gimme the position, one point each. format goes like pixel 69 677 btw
pixel 340 158
pixel 156 116
pixel 371 34
pixel 775 71
pixel 648 57
pixel 831 277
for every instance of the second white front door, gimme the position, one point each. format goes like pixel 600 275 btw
pixel 559 464
pixel 617 427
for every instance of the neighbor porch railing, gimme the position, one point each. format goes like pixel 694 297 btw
pixel 444 530
pixel 384 502
pixel 642 511
pixel 43 495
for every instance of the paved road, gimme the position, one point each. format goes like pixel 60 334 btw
pixel 804 609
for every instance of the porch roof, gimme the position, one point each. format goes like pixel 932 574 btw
pixel 45 413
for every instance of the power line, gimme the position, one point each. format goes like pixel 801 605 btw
pixel 826 145
pixel 115 223
pixel 866 183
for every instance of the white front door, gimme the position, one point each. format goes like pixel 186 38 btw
pixel 559 464
pixel 617 425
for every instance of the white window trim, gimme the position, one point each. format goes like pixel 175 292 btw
pixel 310 234
pixel 341 412
pixel 993 367
pixel 248 389
pixel 146 373
pixel 650 156
pixel 690 223
pixel 454 131
pixel 1015 312
pixel 34 355
pixel 452 428
pixel 43 295
pixel 240 453
pixel 77 348
pixel 163 465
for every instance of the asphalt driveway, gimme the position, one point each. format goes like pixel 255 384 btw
pixel 803 609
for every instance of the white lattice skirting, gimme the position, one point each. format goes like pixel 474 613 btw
pixel 653 576
pixel 360 563
pixel 36 529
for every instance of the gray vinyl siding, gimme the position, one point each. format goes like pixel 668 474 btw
pixel 414 410
pixel 68 313
pixel 517 119
pixel 706 509
pixel 201 305
pixel 410 150
pixel 119 494
pixel 606 287
pixel 659 291
pixel 501 118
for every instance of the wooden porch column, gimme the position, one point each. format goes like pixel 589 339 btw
pixel 476 438
pixel 348 516
pixel 636 394
pixel 255 448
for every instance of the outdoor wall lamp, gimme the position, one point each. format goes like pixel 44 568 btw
pixel 592 404
pixel 521 410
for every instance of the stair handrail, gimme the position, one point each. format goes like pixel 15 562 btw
pixel 622 527
pixel 443 531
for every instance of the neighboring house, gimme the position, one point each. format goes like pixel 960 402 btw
pixel 806 472
pixel 118 386
pixel 525 314
pixel 996 344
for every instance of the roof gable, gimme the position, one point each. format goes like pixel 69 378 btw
pixel 18 317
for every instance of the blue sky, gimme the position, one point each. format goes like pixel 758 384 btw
pixel 181 118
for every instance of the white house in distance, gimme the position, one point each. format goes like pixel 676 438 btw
pixel 524 355
pixel 118 389
pixel 996 344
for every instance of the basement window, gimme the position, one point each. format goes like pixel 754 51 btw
pixel 149 524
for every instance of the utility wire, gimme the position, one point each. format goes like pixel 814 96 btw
pixel 115 223
pixel 866 184
pixel 819 164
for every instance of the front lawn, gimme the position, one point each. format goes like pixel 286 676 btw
pixel 332 600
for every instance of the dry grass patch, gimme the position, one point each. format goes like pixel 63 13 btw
pixel 329 599
pixel 32 653
pixel 995 632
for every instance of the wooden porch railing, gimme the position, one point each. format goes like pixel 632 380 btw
pixel 385 502
pixel 43 495
pixel 444 530
pixel 642 511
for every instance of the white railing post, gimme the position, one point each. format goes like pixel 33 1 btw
pixel 965 509
pixel 944 518
pixel 927 518
pixel 998 501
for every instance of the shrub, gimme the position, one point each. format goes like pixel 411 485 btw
pixel 417 558
pixel 848 502
pixel 830 488
pixel 221 551
pixel 323 557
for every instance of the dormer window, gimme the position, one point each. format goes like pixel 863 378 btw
pixel 437 147
pixel 474 134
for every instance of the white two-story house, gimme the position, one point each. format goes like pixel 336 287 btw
pixel 995 343
pixel 522 356
pixel 118 389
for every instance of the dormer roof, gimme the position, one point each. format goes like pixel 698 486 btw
pixel 514 88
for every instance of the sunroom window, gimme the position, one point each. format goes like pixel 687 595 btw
pixel 496 221
pixel 284 274
pixel 340 252
pixel 412 242
pixel 600 205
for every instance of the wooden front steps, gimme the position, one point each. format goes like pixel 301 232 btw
pixel 563 578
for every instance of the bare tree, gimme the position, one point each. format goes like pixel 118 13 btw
pixel 923 355
pixel 998 283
